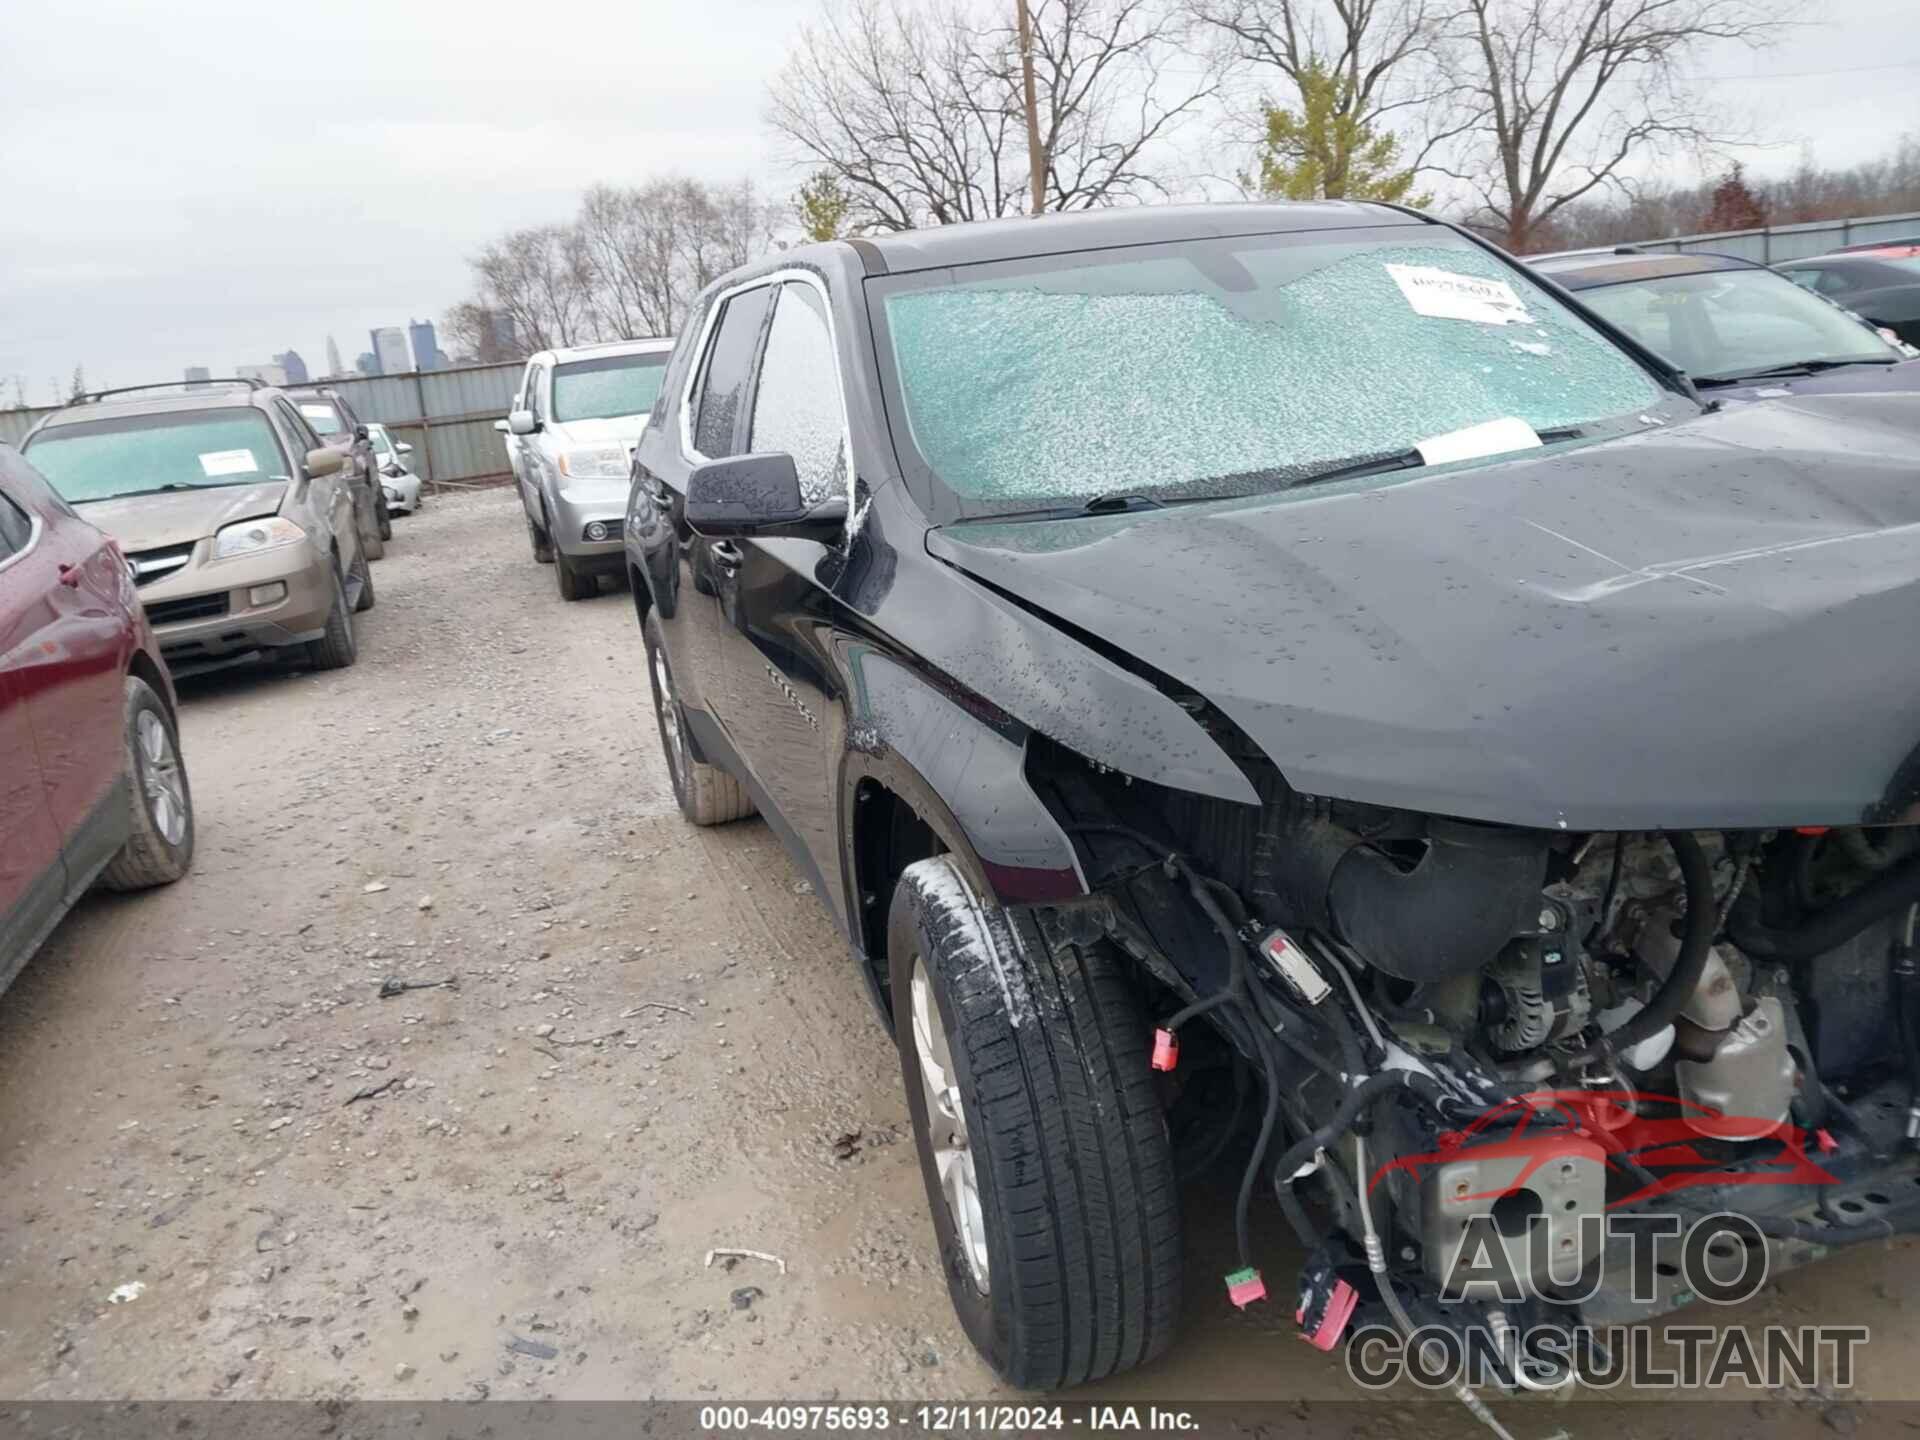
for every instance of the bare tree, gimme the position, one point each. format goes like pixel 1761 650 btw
pixel 629 264
pixel 476 335
pixel 540 276
pixel 650 249
pixel 1567 94
pixel 1375 65
pixel 915 110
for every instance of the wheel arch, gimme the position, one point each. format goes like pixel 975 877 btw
pixel 925 775
pixel 142 666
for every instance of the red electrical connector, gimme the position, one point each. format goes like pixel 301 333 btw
pixel 1245 1286
pixel 1166 1050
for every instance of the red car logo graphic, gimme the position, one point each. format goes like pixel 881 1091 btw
pixel 1661 1155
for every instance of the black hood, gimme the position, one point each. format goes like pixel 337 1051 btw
pixel 1712 624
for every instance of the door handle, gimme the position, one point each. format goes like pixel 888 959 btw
pixel 70 575
pixel 727 556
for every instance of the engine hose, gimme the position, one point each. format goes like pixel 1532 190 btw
pixel 1688 966
pixel 1346 1112
pixel 1833 926
pixel 1243 1203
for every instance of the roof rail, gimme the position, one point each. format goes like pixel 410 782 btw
pixel 248 381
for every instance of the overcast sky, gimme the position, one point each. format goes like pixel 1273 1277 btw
pixel 207 182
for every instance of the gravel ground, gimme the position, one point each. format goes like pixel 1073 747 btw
pixel 651 1044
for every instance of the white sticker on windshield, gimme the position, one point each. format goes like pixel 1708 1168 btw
pixel 1447 296
pixel 229 462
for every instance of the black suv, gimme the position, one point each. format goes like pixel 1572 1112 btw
pixel 1284 683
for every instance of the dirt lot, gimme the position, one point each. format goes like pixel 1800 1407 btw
pixel 653 1045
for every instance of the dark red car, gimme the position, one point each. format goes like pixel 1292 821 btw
pixel 92 786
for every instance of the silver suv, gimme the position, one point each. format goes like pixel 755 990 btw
pixel 570 437
pixel 236 519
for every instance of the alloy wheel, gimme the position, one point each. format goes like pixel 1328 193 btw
pixel 160 777
pixel 669 707
pixel 947 1127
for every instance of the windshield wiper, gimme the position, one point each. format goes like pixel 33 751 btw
pixel 152 490
pixel 1287 479
pixel 1798 367
pixel 1118 502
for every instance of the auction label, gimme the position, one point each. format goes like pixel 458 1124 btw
pixel 1446 295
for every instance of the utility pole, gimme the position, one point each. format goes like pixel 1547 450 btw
pixel 1036 157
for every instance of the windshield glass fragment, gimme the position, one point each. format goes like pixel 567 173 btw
pixel 1227 367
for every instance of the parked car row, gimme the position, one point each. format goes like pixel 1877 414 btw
pixel 147 533
pixel 1296 663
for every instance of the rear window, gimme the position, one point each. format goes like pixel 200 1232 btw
pixel 145 454
pixel 324 419
pixel 608 388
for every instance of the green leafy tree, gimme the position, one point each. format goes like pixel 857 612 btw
pixel 1324 150
pixel 822 205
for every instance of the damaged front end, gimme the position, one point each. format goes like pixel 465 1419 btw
pixel 1474 1047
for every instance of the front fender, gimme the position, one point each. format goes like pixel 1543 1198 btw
pixel 963 774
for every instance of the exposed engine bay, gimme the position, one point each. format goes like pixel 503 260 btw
pixel 1448 1032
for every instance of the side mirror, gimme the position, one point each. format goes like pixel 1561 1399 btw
pixel 500 426
pixel 403 448
pixel 324 462
pixel 758 495
pixel 521 422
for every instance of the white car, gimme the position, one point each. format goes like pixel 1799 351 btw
pixel 397 479
pixel 570 437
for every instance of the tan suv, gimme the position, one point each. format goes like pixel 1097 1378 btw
pixel 236 520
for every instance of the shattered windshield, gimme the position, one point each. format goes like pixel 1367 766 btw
pixel 1228 367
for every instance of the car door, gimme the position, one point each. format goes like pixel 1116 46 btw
pixel 780 701
pixel 33 876
pixel 525 472
pixel 507 437
pixel 329 497
pixel 73 670
pixel 706 424
pixel 538 456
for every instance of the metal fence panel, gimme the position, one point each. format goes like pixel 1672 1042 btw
pixel 1775 243
pixel 14 424
pixel 446 415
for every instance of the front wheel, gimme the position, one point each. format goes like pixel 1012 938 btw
pixel 335 649
pixel 159 846
pixel 363 584
pixel 1043 1147
pixel 542 546
pixel 575 583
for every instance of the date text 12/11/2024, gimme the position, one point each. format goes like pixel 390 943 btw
pixel 945 1419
